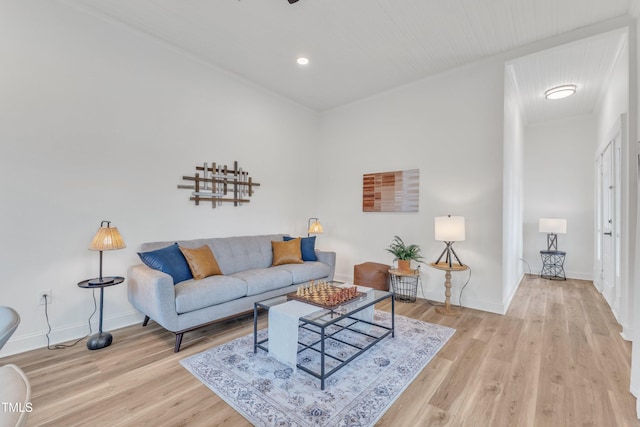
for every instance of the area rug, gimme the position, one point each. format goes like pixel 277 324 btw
pixel 268 393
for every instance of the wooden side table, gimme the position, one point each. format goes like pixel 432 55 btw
pixel 446 309
pixel 101 339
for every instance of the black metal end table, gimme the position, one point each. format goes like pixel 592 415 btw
pixel 101 339
pixel 553 265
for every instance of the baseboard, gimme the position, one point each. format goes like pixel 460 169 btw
pixel 506 302
pixel 569 274
pixel 20 344
pixel 438 296
pixel 636 393
pixel 579 276
pixel 478 304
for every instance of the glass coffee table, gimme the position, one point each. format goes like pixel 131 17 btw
pixel 338 335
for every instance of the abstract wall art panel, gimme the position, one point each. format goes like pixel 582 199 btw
pixel 391 191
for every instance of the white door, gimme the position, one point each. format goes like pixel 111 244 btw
pixel 609 221
pixel 607 216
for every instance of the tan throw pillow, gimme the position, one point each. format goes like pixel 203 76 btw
pixel 201 262
pixel 287 252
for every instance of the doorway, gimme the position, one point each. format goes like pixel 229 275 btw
pixel 608 221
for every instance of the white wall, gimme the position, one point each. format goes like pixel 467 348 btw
pixel 99 122
pixel 450 128
pixel 513 190
pixel 615 103
pixel 559 183
pixel 634 297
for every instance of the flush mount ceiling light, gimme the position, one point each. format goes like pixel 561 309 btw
pixel 560 92
pixel 292 1
pixel 302 60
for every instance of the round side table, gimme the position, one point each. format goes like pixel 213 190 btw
pixel 446 309
pixel 101 339
pixel 404 284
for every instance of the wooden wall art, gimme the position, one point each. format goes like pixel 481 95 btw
pixel 219 184
pixel 391 191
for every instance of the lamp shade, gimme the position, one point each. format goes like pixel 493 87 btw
pixel 553 225
pixel 107 238
pixel 449 228
pixel 314 226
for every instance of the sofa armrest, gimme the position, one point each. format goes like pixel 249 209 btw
pixel 328 258
pixel 152 293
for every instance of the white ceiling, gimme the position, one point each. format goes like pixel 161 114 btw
pixel 586 63
pixel 361 47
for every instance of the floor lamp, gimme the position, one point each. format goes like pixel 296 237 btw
pixel 107 238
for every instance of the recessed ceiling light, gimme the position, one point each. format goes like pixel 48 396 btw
pixel 560 92
pixel 302 60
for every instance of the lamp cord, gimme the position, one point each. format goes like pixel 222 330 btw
pixel 464 286
pixel 459 298
pixel 63 346
pixel 528 266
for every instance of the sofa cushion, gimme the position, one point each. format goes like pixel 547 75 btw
pixel 261 280
pixel 304 272
pixel 287 252
pixel 201 262
pixel 168 260
pixel 307 247
pixel 195 294
pixel 242 253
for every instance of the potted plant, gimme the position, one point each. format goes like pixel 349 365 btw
pixel 404 253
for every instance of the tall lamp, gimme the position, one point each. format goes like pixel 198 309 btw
pixel 553 227
pixel 314 227
pixel 107 238
pixel 449 229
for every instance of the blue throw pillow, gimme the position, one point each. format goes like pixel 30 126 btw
pixel 307 247
pixel 169 260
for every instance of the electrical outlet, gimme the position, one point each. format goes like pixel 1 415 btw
pixel 48 294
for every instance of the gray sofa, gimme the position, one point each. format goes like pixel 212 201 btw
pixel 248 276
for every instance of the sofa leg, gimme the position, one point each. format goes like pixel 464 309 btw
pixel 178 342
pixel 146 320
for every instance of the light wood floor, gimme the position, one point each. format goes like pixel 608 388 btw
pixel 555 359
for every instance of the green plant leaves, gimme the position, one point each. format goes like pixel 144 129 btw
pixel 405 252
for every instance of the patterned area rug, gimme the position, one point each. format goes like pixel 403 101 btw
pixel 268 393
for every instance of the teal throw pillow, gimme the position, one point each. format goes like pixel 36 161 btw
pixel 169 260
pixel 307 247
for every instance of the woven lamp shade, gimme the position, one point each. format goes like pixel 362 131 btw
pixel 107 239
pixel 315 228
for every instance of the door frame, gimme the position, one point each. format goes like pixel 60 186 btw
pixel 619 299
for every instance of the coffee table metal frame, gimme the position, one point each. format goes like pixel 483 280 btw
pixel 322 319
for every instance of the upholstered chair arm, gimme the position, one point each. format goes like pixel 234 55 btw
pixel 328 258
pixel 152 293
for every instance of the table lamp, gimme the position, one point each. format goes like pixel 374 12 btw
pixel 449 229
pixel 553 227
pixel 107 238
pixel 314 227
